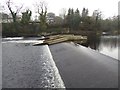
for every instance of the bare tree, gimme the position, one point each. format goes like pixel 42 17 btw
pixel 42 11
pixel 1 12
pixel 1 8
pixel 26 17
pixel 62 13
pixel 41 8
pixel 13 13
pixel 97 15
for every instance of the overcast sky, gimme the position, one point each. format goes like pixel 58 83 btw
pixel 109 8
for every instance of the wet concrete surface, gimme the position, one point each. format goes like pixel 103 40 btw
pixel 81 67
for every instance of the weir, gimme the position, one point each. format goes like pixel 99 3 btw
pixel 63 65
pixel 81 67
pixel 27 66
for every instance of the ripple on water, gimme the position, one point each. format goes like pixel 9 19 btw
pixel 29 66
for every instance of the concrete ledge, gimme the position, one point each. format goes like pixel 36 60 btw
pixel 81 67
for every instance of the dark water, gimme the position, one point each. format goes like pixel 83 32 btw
pixel 107 45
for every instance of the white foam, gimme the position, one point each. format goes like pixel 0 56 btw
pixel 57 80
pixel 24 41
pixel 13 38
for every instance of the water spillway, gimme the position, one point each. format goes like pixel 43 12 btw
pixel 81 67
pixel 63 65
pixel 27 66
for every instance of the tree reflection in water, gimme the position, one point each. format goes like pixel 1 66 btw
pixel 104 44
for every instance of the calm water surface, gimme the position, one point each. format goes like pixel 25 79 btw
pixel 107 45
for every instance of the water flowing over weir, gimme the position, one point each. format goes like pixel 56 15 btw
pixel 27 66
pixel 0 63
pixel 57 80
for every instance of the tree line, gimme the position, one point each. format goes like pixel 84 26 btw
pixel 73 21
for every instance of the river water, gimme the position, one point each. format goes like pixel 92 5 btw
pixel 28 66
pixel 107 45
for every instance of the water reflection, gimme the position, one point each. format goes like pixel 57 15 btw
pixel 107 45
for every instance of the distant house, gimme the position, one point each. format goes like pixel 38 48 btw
pixel 5 18
pixel 50 18
pixel 58 20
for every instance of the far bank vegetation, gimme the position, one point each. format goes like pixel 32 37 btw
pixel 69 21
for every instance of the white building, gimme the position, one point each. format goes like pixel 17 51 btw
pixel 50 18
pixel 5 18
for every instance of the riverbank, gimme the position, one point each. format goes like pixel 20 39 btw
pixel 81 67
